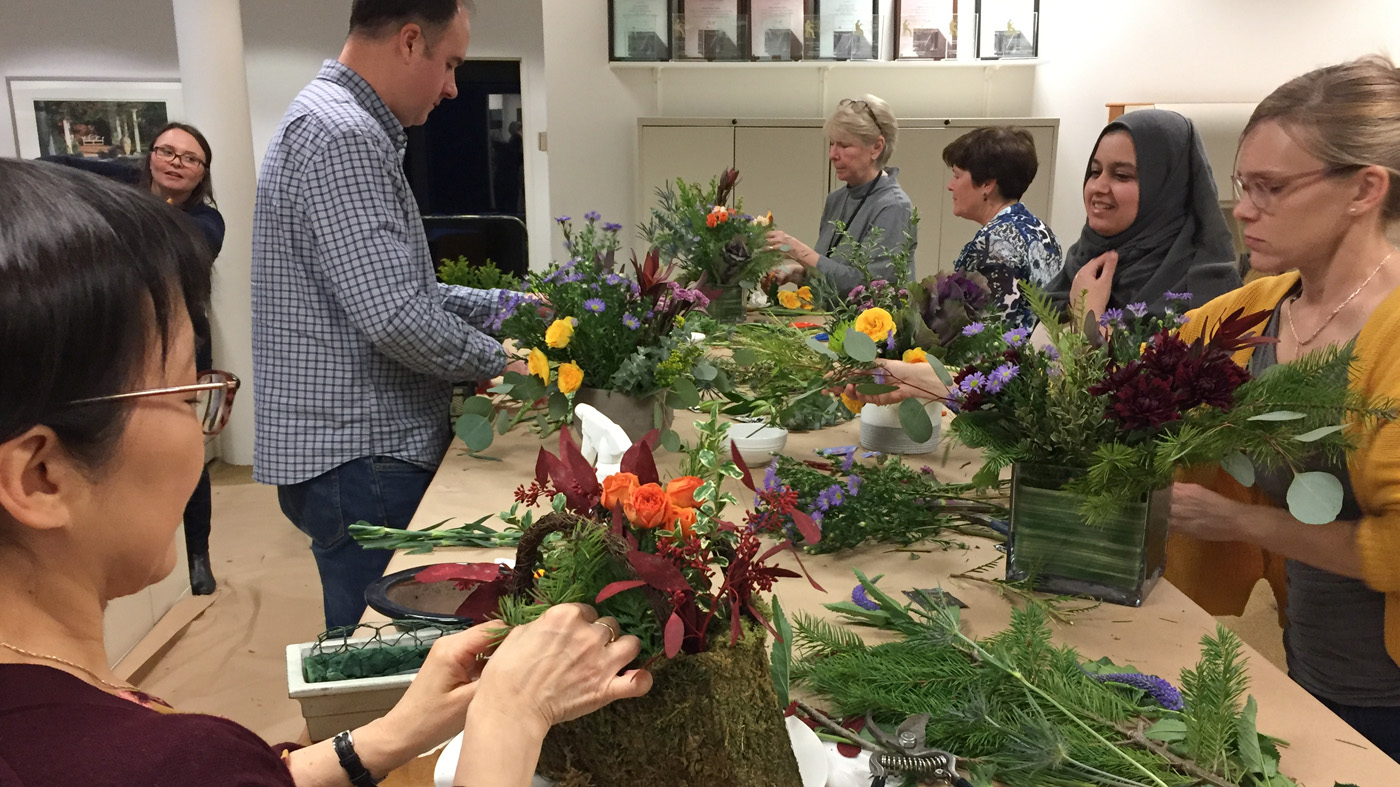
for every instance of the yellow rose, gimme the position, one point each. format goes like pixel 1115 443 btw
pixel 875 323
pixel 916 355
pixel 854 405
pixel 539 365
pixel 570 377
pixel 788 299
pixel 559 334
pixel 805 293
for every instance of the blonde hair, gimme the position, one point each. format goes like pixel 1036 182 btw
pixel 1346 115
pixel 858 118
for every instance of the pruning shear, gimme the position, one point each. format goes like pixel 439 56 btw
pixel 905 752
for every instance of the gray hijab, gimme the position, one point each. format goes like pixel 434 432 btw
pixel 1179 241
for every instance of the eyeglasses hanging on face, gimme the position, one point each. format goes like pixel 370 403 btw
pixel 213 402
pixel 167 153
pixel 1264 192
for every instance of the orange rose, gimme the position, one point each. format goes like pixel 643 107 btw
pixel 617 489
pixel 649 507
pixel 685 521
pixel 682 491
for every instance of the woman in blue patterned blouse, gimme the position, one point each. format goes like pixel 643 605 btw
pixel 992 167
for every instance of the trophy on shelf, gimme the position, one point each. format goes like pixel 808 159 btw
pixel 646 45
pixel 852 44
pixel 1011 43
pixel 780 43
pixel 930 43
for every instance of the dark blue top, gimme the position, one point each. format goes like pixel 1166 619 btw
pixel 1014 246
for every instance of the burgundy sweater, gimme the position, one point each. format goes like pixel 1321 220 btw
pixel 57 731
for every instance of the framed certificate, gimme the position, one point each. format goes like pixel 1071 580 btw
pixel 710 30
pixel 926 29
pixel 847 29
pixel 1008 29
pixel 777 29
pixel 639 30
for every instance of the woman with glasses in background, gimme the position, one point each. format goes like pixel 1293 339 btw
pixel 102 424
pixel 861 136
pixel 176 169
pixel 1318 181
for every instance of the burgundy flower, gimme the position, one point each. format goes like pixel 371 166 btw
pixel 1164 352
pixel 1116 378
pixel 1145 402
pixel 1210 380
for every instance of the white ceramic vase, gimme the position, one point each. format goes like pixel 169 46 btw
pixel 880 429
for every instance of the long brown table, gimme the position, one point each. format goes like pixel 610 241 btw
pixel 1161 637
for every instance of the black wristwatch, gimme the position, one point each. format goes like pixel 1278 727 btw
pixel 350 761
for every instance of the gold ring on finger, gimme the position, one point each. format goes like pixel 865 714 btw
pixel 612 633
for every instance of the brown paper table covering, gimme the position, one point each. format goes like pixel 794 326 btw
pixel 1162 637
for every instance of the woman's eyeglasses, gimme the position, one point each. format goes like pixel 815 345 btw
pixel 1265 192
pixel 172 155
pixel 856 103
pixel 213 404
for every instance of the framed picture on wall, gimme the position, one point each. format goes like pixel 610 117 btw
pixel 1008 29
pixel 778 29
pixel 847 29
pixel 711 30
pixel 926 29
pixel 97 118
pixel 639 30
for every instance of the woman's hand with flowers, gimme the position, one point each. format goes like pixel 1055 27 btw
pixel 915 381
pixel 792 248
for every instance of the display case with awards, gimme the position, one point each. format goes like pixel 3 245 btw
pixel 1008 29
pixel 639 30
pixel 711 30
pixel 926 29
pixel 846 30
pixel 778 29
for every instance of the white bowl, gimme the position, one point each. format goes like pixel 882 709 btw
pixel 757 444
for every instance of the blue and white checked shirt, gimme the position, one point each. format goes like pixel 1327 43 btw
pixel 355 342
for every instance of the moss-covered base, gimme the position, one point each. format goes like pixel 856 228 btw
pixel 710 719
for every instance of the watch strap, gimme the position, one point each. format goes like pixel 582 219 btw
pixel 350 761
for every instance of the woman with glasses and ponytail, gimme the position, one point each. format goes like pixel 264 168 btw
pixel 176 170
pixel 103 417
pixel 861 135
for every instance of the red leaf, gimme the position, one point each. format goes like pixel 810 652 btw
pixel 743 467
pixel 473 572
pixel 638 459
pixel 798 558
pixel 791 709
pixel 753 610
pixel 811 534
pixel 585 477
pixel 658 572
pixel 484 602
pixel 613 588
pixel 675 635
pixel 848 749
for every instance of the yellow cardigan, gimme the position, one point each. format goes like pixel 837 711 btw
pixel 1220 575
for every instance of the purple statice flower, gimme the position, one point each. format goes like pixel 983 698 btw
pixel 1016 336
pixel 1158 689
pixel 973 329
pixel 1111 317
pixel 853 483
pixel 595 305
pixel 862 599
pixel 1180 297
pixel 1138 309
pixel 976 381
pixel 592 216
pixel 1000 376
pixel 562 219
pixel 611 227
pixel 631 322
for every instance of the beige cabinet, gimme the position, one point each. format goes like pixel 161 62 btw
pixel 784 168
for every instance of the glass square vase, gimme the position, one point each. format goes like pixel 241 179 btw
pixel 1118 561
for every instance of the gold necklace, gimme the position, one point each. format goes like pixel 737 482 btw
pixel 79 667
pixel 1336 311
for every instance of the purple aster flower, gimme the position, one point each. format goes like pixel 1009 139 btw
pixel 889 341
pixel 611 227
pixel 973 382
pixel 612 279
pixel 595 305
pixel 592 216
pixel 594 287
pixel 1052 352
pixel 1181 297
pixel 1182 319
pixel 1138 309
pixel 846 452
pixel 562 219
pixel 867 455
pixel 650 315
pixel 973 329
pixel 770 477
pixel 1015 337
pixel 853 483
pixel 1111 317
pixel 1000 376
pixel 631 322
pixel 1158 689
pixel 635 287
pixel 862 599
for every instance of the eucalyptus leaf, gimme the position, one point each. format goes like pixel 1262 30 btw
pixel 502 422
pixel 875 389
pixel 1318 433
pixel 914 418
pixel 940 370
pixel 821 348
pixel 860 347
pixel 528 391
pixel 475 431
pixel 478 405
pixel 558 406
pixel 1278 415
pixel 745 357
pixel 670 441
pixel 1315 498
pixel 503 388
pixel 704 372
pixel 1247 737
pixel 1239 467
pixel 683 394
pixel 1167 731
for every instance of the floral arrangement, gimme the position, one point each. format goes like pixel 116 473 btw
pixel 1126 401
pixel 772 371
pixel 715 244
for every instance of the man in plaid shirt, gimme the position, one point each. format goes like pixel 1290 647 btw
pixel 355 343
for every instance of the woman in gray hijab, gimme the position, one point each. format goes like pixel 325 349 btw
pixel 1153 221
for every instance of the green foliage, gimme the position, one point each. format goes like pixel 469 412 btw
pixel 771 372
pixel 485 276
pixel 421 542
pixel 1213 692
pixel 726 250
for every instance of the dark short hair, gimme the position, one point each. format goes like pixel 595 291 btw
pixel 375 18
pixel 203 193
pixel 86 264
pixel 1003 153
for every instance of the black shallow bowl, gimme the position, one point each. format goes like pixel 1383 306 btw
pixel 399 597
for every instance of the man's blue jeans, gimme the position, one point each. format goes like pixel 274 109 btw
pixel 379 490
